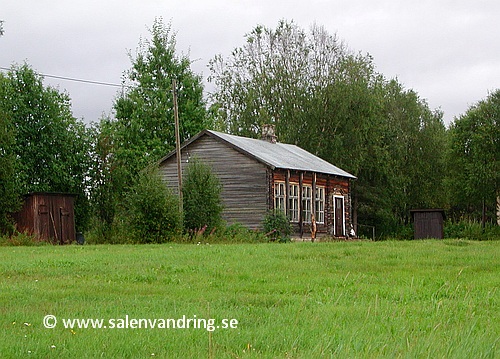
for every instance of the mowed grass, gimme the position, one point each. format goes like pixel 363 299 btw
pixel 413 299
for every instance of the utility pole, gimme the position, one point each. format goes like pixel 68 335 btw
pixel 177 143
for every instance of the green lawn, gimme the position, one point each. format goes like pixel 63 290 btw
pixel 412 299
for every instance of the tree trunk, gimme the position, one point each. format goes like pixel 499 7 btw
pixel 498 208
pixel 355 215
pixel 483 217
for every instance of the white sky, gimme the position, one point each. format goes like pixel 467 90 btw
pixel 446 50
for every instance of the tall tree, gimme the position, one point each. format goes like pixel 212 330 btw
pixel 144 125
pixel 274 77
pixel 474 158
pixel 143 128
pixel 51 146
pixel 103 194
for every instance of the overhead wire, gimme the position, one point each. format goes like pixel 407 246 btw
pixel 66 78
pixel 92 82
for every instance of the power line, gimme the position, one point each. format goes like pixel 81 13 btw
pixel 77 80
pixel 83 81
pixel 92 82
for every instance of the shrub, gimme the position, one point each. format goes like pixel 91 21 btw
pixel 21 239
pixel 471 230
pixel 277 226
pixel 238 233
pixel 152 210
pixel 201 193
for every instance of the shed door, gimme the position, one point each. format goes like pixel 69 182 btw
pixel 65 230
pixel 339 223
pixel 428 225
pixel 43 222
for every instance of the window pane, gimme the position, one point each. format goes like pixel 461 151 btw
pixel 293 203
pixel 306 203
pixel 279 196
pixel 320 204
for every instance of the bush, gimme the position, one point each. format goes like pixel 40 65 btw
pixel 277 226
pixel 238 233
pixel 21 239
pixel 201 193
pixel 152 210
pixel 471 230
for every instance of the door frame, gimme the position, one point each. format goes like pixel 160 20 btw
pixel 335 215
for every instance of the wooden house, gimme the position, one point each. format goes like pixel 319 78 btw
pixel 261 175
pixel 48 217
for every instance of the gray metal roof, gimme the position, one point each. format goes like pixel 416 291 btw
pixel 280 155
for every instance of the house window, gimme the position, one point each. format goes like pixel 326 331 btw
pixel 291 207
pixel 293 203
pixel 279 196
pixel 320 204
pixel 306 203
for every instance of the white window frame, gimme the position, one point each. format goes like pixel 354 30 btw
pixel 290 205
pixel 293 202
pixel 306 203
pixel 279 196
pixel 319 204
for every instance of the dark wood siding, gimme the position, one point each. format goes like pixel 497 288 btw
pixel 428 223
pixel 48 216
pixel 244 180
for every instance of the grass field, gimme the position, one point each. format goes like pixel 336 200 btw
pixel 411 299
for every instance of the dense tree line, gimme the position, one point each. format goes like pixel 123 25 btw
pixel 319 95
pixel 332 102
pixel 473 162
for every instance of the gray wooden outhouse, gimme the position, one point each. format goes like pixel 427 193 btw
pixel 428 223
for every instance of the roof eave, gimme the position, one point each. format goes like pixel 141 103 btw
pixel 215 136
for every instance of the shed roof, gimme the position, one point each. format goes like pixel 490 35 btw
pixel 275 155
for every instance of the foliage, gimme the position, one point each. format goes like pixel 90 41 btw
pixel 274 78
pixel 201 194
pixel 238 233
pixel 105 191
pixel 152 210
pixel 143 131
pixel 473 160
pixel 470 230
pixel 18 239
pixel 277 226
pixel 9 196
pixel 345 300
pixel 332 102
pixel 51 147
pixel 231 234
pixel 143 128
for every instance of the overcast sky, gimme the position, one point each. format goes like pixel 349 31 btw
pixel 446 50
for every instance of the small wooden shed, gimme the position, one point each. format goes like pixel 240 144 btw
pixel 428 223
pixel 48 216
